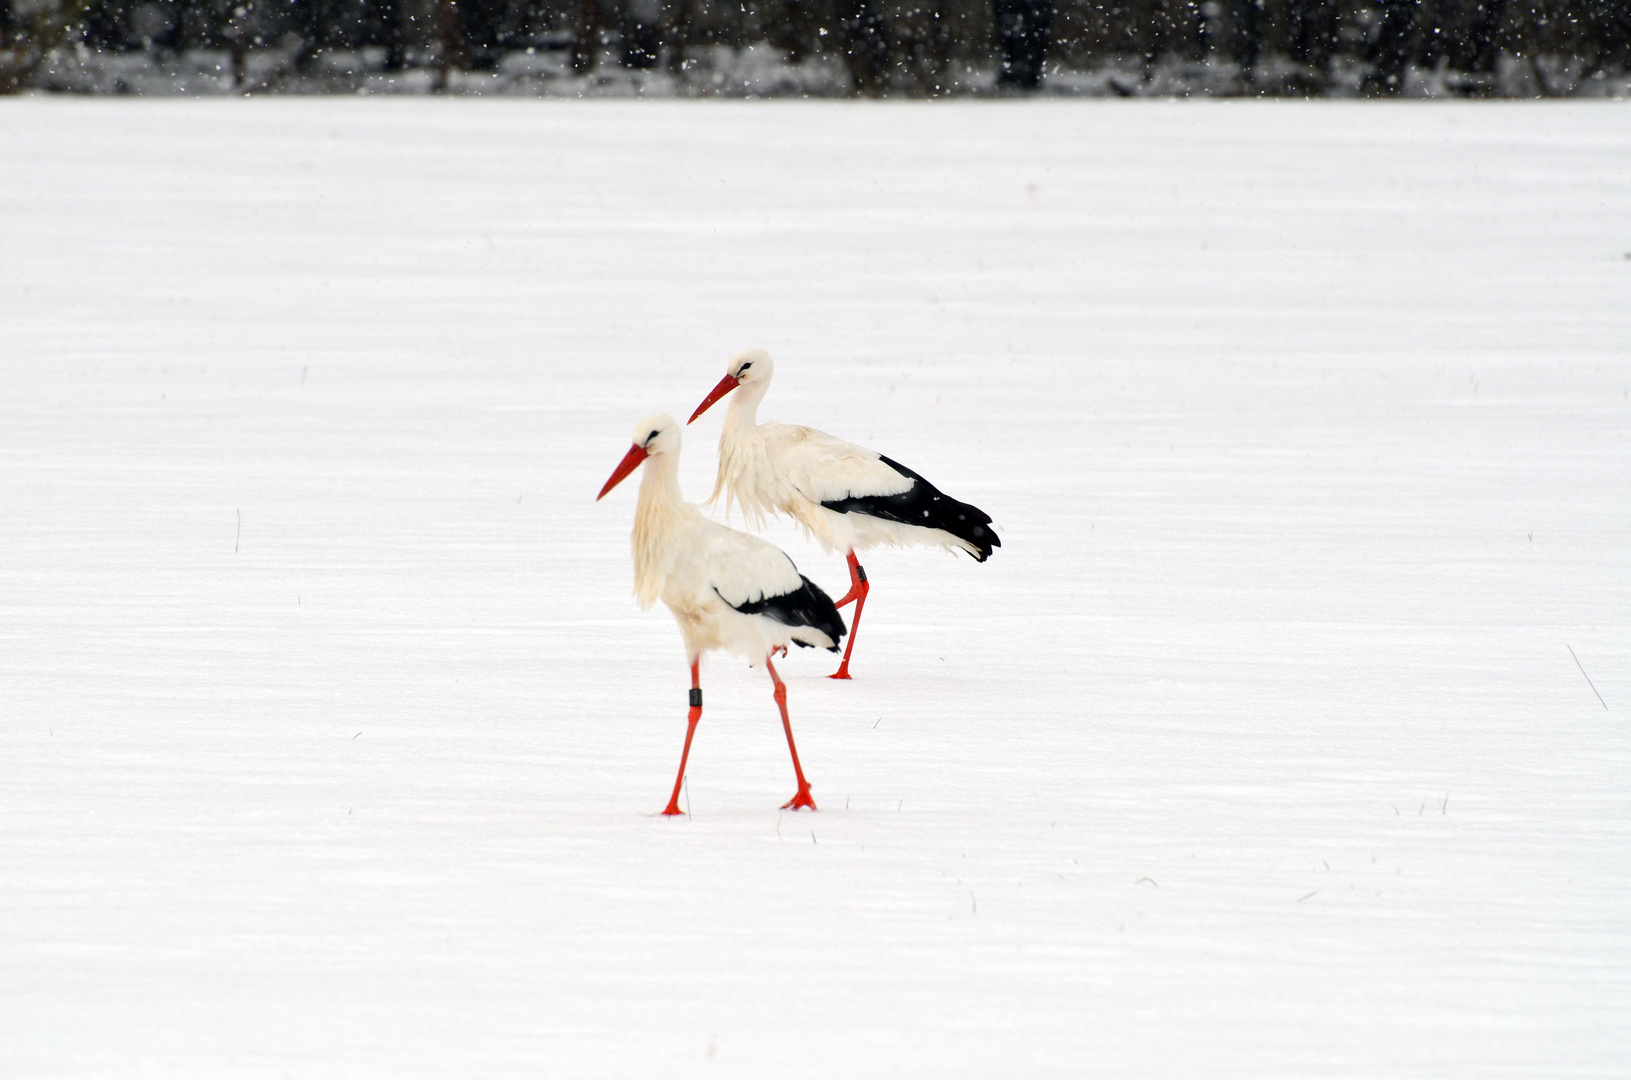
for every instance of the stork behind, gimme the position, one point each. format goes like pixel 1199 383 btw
pixel 849 497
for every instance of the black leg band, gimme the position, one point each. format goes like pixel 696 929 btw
pixel 860 572
pixel 696 697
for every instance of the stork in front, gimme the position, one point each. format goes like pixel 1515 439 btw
pixel 849 497
pixel 726 589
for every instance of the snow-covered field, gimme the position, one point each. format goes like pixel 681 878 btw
pixel 331 738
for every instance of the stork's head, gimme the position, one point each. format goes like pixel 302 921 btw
pixel 656 434
pixel 747 368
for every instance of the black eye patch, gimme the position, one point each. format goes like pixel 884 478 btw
pixel 743 368
pixel 653 435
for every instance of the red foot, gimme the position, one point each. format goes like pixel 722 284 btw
pixel 801 801
pixel 673 808
pixel 842 672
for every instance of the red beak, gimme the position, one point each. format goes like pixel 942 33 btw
pixel 630 462
pixel 726 385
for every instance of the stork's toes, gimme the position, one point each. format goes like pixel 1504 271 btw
pixel 801 801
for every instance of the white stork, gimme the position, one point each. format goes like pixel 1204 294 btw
pixel 726 589
pixel 848 496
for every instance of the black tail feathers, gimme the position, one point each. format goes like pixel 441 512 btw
pixel 925 505
pixel 807 606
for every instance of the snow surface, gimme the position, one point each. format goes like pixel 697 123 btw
pixel 332 738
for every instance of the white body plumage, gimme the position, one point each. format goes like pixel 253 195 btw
pixel 703 572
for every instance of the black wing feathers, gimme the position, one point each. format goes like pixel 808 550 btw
pixel 926 505
pixel 807 606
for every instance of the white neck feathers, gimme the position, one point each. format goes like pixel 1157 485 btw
pixel 744 464
pixel 659 515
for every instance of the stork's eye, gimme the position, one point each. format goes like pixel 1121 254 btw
pixel 743 368
pixel 653 435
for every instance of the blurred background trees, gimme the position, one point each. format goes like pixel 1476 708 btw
pixel 913 47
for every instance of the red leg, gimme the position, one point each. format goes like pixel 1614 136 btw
pixel 857 582
pixel 802 800
pixel 691 729
pixel 857 592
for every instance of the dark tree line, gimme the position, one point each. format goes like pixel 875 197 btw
pixel 1281 46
